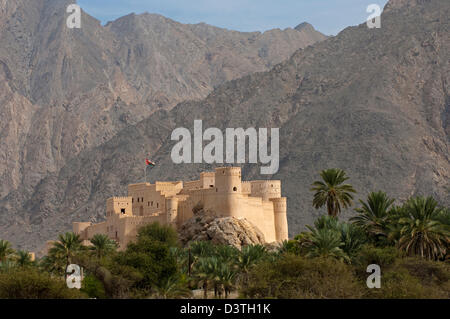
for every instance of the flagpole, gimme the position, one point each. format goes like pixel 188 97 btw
pixel 145 174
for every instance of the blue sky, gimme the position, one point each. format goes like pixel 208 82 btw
pixel 328 16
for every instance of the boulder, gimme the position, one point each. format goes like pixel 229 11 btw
pixel 204 225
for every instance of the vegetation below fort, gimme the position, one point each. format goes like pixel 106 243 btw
pixel 409 242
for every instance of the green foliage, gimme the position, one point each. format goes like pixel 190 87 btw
pixel 331 238
pixel 290 247
pixel 293 276
pixel 332 192
pixel 65 249
pixel 324 243
pixel 93 287
pixel 430 273
pixel 102 245
pixel 151 256
pixel 117 280
pixel 23 258
pixel 373 216
pixel 5 250
pixel 421 232
pixel 382 256
pixel 32 284
pixel 173 287
pixel 162 233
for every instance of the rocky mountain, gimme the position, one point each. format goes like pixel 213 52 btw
pixel 374 102
pixel 64 91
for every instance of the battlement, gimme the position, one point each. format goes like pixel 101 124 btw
pixel 266 189
pixel 228 171
pixel 119 198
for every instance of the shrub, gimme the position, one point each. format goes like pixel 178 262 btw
pixel 433 275
pixel 32 284
pixel 93 287
pixel 398 284
pixel 382 256
pixel 162 233
pixel 293 276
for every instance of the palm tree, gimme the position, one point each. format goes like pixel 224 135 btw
pixel 202 249
pixel 172 288
pixel 324 243
pixel 331 192
pixel 68 245
pixel 421 232
pixel 248 257
pixel 373 215
pixel 227 254
pixel 206 273
pixel 5 250
pixel 102 245
pixel 351 237
pixel 227 278
pixel 23 258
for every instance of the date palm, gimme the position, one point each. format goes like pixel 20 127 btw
pixel 332 192
pixel 172 288
pixel 249 256
pixel 66 247
pixel 5 250
pixel 421 232
pixel 227 278
pixel 351 237
pixel 23 258
pixel 373 214
pixel 102 245
pixel 206 273
pixel 323 243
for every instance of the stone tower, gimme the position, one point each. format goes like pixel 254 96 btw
pixel 228 185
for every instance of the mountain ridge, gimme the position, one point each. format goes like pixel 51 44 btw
pixel 374 102
pixel 65 91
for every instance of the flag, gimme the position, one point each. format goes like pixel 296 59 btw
pixel 149 163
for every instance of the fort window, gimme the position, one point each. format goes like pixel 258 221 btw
pixel 148 204
pixel 122 210
pixel 211 186
pixel 217 189
pixel 152 203
pixel 235 189
pixel 132 200
pixel 157 205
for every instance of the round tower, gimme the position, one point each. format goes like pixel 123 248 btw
pixel 172 210
pixel 280 218
pixel 228 190
pixel 266 189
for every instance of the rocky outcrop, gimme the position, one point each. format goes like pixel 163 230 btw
pixel 205 226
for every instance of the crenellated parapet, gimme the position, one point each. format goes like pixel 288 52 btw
pixel 266 189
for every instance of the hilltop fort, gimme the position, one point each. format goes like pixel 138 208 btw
pixel 222 193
